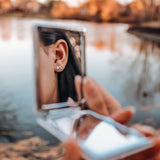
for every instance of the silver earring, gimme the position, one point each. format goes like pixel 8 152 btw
pixel 59 67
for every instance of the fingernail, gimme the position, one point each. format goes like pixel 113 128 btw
pixel 133 109
pixel 70 99
pixel 89 87
pixel 86 80
pixel 78 78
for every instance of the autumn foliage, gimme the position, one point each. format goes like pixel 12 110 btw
pixel 92 10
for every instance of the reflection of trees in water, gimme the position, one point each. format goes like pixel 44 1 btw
pixel 102 35
pixel 145 88
pixel 7 27
pixel 20 30
pixel 8 119
pixel 148 82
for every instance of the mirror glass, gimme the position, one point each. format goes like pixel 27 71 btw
pixel 99 137
pixel 59 58
pixel 106 139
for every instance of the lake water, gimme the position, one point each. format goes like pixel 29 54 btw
pixel 114 58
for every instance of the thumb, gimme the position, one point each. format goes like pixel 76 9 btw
pixel 123 115
pixel 147 131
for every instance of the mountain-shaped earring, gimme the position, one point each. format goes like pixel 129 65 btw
pixel 59 67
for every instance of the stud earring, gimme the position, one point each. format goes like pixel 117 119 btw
pixel 59 67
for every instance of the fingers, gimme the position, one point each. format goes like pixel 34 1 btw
pixel 100 101
pixel 144 129
pixel 78 84
pixel 152 153
pixel 97 98
pixel 70 100
pixel 156 142
pixel 111 103
pixel 93 97
pixel 149 154
pixel 123 115
pixel 72 150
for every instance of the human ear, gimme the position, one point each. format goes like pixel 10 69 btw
pixel 61 55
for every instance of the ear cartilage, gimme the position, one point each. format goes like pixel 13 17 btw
pixel 59 67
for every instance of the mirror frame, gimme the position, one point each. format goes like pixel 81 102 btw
pixel 80 30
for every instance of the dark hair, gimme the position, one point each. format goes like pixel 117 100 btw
pixel 66 87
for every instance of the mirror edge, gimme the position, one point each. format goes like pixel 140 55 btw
pixel 82 33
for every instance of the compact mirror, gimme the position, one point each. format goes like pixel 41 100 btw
pixel 99 137
pixel 59 58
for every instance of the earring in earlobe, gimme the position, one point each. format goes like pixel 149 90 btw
pixel 59 67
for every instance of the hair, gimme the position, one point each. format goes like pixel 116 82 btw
pixel 66 87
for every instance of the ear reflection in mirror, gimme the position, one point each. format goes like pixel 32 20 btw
pixel 58 53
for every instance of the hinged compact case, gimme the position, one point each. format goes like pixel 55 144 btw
pixel 59 57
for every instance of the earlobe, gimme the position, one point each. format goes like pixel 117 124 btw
pixel 61 51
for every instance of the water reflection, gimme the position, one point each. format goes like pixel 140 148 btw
pixel 128 67
pixel 125 65
pixel 7 115
pixel 6 28
pixel 17 81
pixel 147 82
pixel 9 28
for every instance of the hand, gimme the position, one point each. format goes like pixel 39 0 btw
pixel 100 101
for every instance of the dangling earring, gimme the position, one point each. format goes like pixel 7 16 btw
pixel 59 67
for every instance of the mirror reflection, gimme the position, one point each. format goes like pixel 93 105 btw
pixel 99 137
pixel 106 139
pixel 59 53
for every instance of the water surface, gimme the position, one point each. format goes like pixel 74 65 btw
pixel 115 58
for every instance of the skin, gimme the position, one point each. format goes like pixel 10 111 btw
pixel 100 101
pixel 49 58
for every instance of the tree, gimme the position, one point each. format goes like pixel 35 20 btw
pixel 5 5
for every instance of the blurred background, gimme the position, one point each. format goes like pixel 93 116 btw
pixel 92 10
pixel 122 51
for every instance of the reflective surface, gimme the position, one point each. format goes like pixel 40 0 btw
pixel 102 138
pixel 17 95
pixel 99 137
pixel 128 67
pixel 59 56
